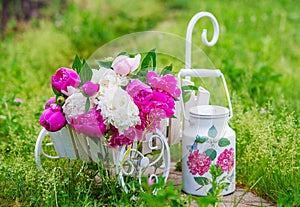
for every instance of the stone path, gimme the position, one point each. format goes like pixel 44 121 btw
pixel 246 198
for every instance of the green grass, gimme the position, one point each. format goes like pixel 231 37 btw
pixel 257 51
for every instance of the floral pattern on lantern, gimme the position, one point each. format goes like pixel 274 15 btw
pixel 226 160
pixel 198 163
pixel 208 156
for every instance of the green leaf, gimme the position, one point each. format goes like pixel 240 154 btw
pixel 211 192
pixel 223 142
pixel 208 200
pixel 186 95
pixel 148 64
pixel 166 70
pixel 189 87
pixel 211 153
pixel 127 54
pixel 85 73
pixel 56 92
pixel 201 180
pixel 77 64
pixel 149 60
pixel 212 132
pixel 226 185
pixel 122 53
pixel 87 105
pixel 105 64
pixel 141 75
pixel 215 171
pixel 201 139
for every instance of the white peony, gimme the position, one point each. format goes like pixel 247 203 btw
pixel 70 90
pixel 122 80
pixel 117 106
pixel 119 110
pixel 74 105
pixel 106 78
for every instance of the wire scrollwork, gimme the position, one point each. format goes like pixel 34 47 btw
pixel 149 159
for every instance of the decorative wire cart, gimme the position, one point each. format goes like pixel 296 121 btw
pixel 150 158
pixel 135 160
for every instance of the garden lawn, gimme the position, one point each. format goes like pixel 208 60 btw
pixel 258 51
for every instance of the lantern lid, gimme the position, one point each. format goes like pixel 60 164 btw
pixel 209 111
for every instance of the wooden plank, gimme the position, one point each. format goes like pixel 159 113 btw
pixel 174 133
pixel 100 152
pixel 177 125
pixel 63 144
pixel 96 149
pixel 82 146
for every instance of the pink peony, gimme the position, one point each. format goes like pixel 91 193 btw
pixel 52 100
pixel 142 95
pixel 89 88
pixel 90 123
pixel 159 107
pixel 124 64
pixel 52 119
pixel 133 133
pixel 139 91
pixel 144 121
pixel 198 163
pixel 155 117
pixel 167 83
pixel 226 160
pixel 117 139
pixel 63 78
pixel 164 101
pixel 153 105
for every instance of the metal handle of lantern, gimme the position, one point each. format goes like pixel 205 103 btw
pixel 189 32
pixel 201 73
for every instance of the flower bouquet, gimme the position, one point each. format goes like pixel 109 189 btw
pixel 113 105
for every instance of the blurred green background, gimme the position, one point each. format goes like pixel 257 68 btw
pixel 258 51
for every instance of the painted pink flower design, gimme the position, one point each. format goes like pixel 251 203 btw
pixel 198 163
pixel 226 160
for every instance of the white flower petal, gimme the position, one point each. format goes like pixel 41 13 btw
pixel 135 62
pixel 74 105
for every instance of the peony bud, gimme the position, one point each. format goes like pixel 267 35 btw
pixel 52 119
pixel 49 102
pixel 60 100
pixel 63 78
pixel 89 88
pixel 124 64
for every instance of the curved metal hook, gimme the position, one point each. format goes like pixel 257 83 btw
pixel 189 33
